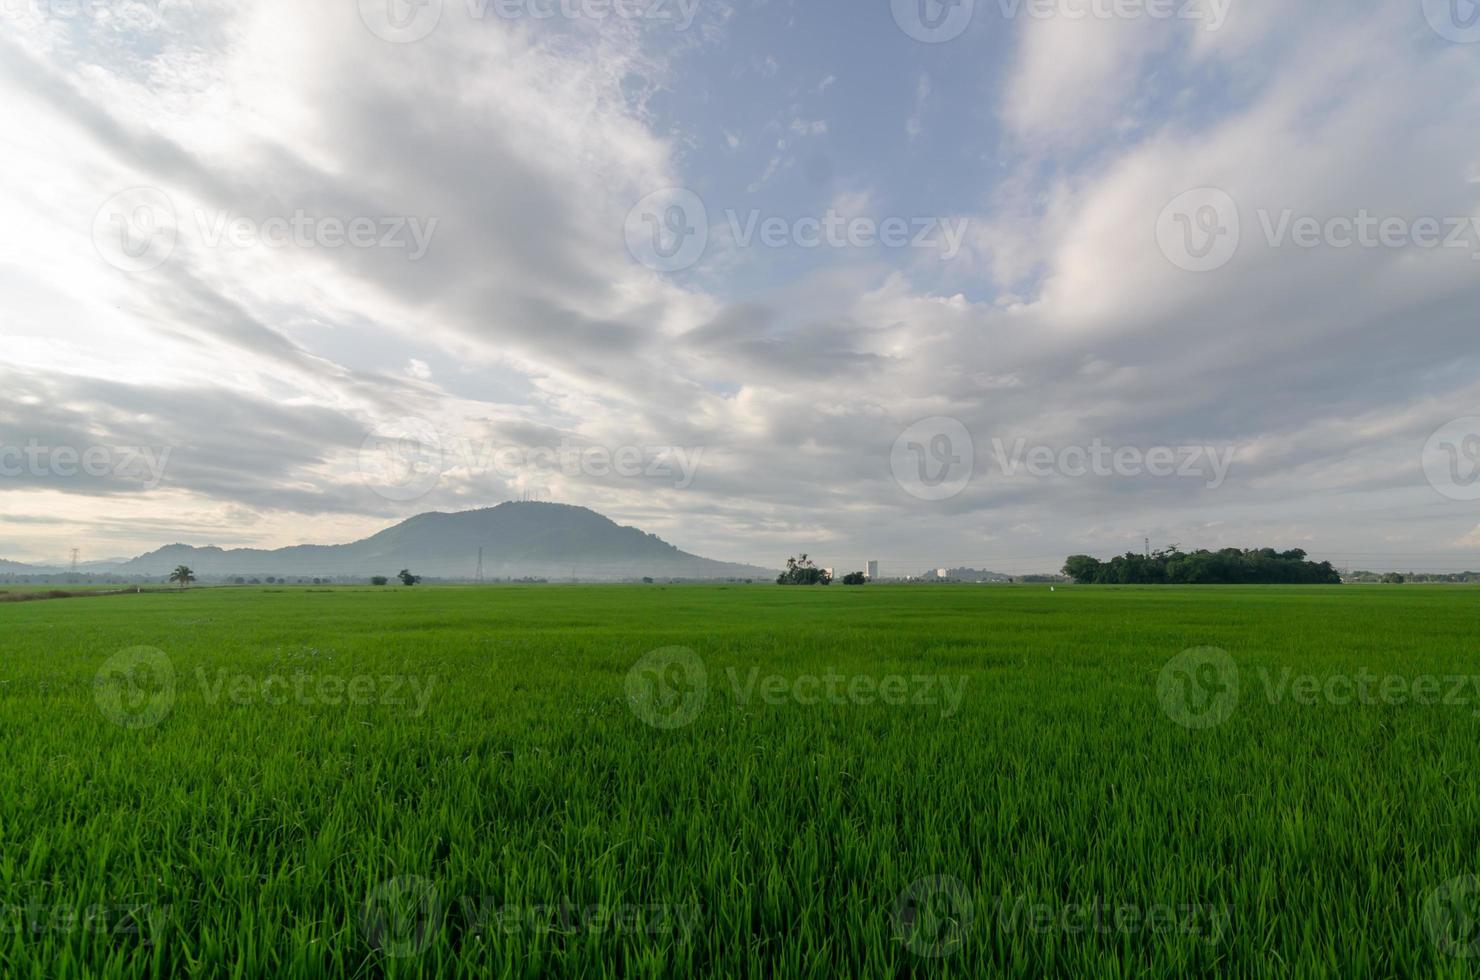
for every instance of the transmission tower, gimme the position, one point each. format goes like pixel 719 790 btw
pixel 76 553
pixel 479 576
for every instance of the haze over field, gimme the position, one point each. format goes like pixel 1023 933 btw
pixel 756 277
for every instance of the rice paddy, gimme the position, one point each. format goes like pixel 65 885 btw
pixel 742 782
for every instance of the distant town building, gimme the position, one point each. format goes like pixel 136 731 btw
pixel 872 569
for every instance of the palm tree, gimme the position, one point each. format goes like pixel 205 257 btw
pixel 183 575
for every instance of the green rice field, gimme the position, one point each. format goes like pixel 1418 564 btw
pixel 745 781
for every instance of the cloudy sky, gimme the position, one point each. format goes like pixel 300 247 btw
pixel 977 284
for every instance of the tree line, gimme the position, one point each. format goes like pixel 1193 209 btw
pixel 1230 566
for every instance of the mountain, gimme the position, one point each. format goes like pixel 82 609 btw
pixel 18 568
pixel 101 566
pixel 519 540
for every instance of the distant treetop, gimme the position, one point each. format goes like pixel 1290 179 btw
pixel 1230 566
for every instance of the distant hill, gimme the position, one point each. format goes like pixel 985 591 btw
pixel 519 540
pixel 99 567
pixel 17 568
pixel 975 575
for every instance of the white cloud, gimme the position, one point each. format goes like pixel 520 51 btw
pixel 264 367
pixel 915 124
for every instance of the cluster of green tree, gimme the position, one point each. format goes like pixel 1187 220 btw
pixel 802 571
pixel 1231 566
pixel 404 575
